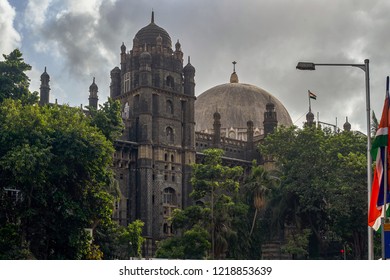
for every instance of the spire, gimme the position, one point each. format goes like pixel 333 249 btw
pixel 93 97
pixel 347 125
pixel 44 88
pixel 152 20
pixel 233 76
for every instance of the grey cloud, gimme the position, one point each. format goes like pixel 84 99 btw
pixel 266 38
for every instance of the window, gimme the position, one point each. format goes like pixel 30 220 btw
pixel 169 107
pixel 169 132
pixel 13 194
pixel 169 196
pixel 172 158
pixel 166 157
pixel 126 82
pixel 165 228
pixel 126 111
pixel 170 82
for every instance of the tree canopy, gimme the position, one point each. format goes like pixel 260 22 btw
pixel 323 187
pixel 54 170
pixel 14 82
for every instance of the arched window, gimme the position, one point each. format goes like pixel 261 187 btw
pixel 199 203
pixel 169 107
pixel 170 82
pixel 126 82
pixel 172 158
pixel 169 196
pixel 169 132
pixel 126 111
pixel 165 228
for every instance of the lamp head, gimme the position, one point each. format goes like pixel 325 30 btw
pixel 306 66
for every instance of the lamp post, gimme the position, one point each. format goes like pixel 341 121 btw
pixel 365 68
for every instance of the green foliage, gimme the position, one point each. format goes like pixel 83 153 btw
pixel 323 186
pixel 14 82
pixel 211 175
pixel 59 165
pixel 120 242
pixel 132 237
pixel 297 244
pixel 217 184
pixel 108 119
pixel 193 244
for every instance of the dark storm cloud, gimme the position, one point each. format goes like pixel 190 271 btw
pixel 266 38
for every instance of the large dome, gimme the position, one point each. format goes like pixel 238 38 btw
pixel 148 34
pixel 237 104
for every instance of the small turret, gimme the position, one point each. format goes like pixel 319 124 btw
pixel 234 76
pixel 44 89
pixel 217 129
pixel 189 79
pixel 347 125
pixel 309 119
pixel 270 118
pixel 93 97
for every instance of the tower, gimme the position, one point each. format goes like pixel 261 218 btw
pixel 270 118
pixel 93 97
pixel 157 95
pixel 347 125
pixel 44 89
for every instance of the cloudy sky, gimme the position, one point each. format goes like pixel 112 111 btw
pixel 80 39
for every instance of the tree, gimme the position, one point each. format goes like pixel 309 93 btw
pixel 260 182
pixel 322 186
pixel 194 244
pixel 108 119
pixel 55 168
pixel 216 184
pixel 14 82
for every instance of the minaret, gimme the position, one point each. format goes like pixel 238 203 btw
pixel 233 76
pixel 93 97
pixel 347 125
pixel 44 89
pixel 270 118
pixel 189 79
pixel 217 130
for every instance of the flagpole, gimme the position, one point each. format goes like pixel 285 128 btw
pixel 308 94
pixel 383 220
pixel 385 174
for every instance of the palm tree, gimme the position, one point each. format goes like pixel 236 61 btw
pixel 260 183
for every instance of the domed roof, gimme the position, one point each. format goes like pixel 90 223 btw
pixel 148 35
pixel 237 104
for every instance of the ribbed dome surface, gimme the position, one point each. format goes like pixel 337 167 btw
pixel 237 104
pixel 148 35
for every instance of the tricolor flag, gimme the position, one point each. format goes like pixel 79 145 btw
pixel 376 210
pixel 312 95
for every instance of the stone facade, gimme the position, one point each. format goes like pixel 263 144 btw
pixel 153 158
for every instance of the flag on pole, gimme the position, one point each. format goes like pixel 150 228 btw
pixel 312 95
pixel 381 140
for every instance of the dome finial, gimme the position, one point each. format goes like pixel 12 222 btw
pixel 233 76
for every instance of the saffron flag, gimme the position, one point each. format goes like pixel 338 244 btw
pixel 376 210
pixel 312 95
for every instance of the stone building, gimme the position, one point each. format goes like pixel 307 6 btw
pixel 167 127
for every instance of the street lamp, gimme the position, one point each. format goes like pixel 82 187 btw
pixel 365 68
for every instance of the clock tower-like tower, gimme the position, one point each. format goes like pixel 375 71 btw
pixel 154 156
